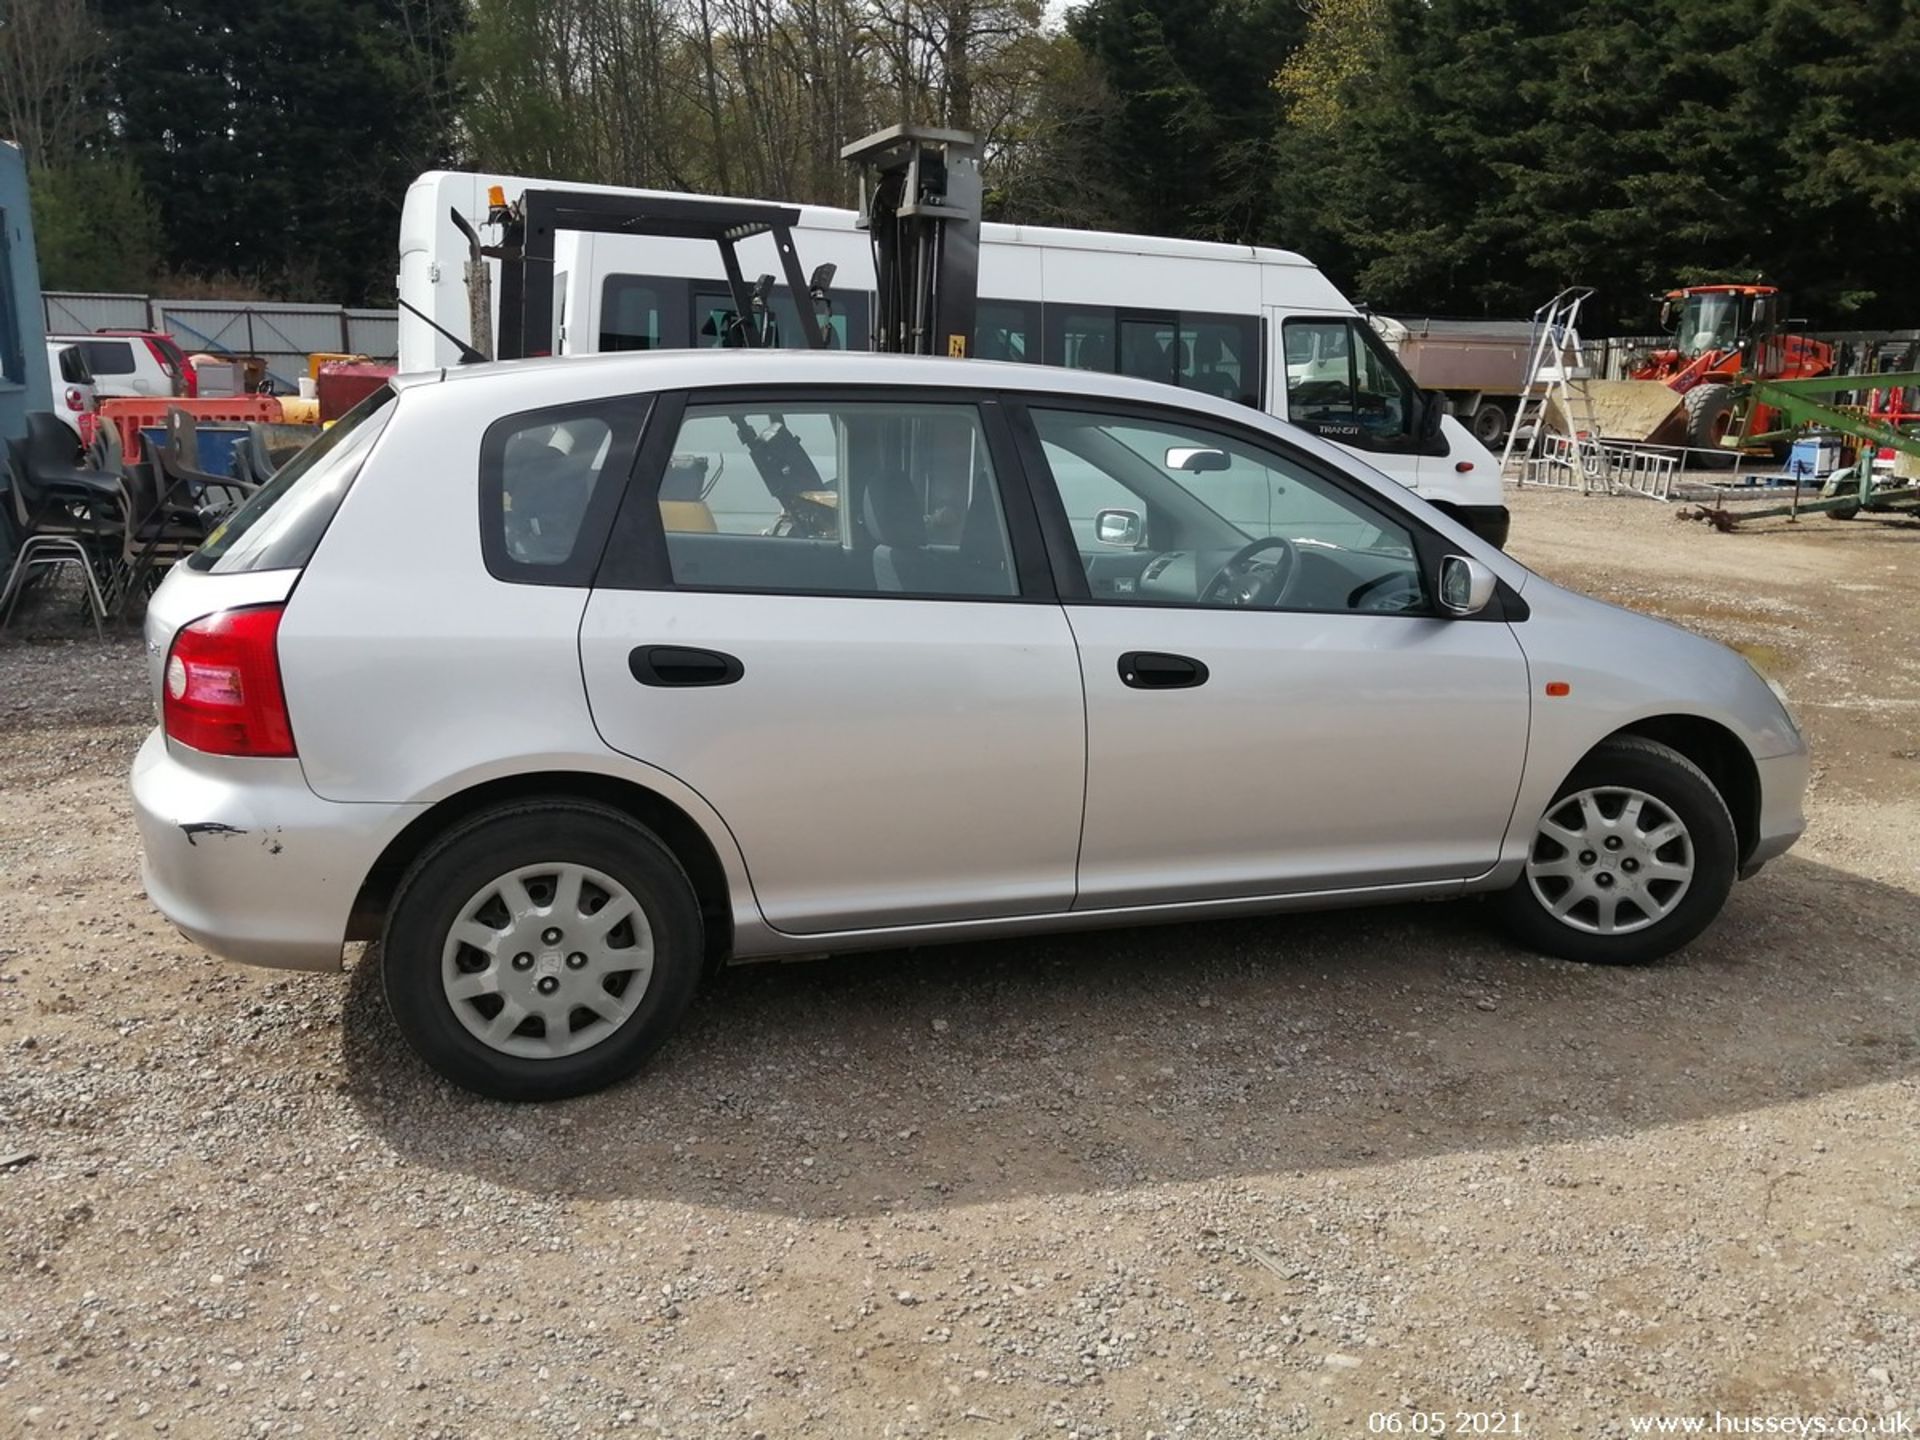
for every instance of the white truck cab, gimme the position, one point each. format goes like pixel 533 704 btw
pixel 1261 326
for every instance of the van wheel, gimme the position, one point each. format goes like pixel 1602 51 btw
pixel 1632 859
pixel 541 950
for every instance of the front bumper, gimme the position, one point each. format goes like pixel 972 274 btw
pixel 246 860
pixel 1783 789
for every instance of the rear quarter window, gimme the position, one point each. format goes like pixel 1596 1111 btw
pixel 108 357
pixel 550 481
pixel 280 525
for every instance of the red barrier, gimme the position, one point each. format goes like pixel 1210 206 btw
pixel 132 412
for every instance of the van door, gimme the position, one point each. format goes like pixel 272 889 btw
pixel 825 614
pixel 1338 379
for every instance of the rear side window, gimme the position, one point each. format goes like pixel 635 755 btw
pixel 549 483
pixel 280 525
pixel 109 357
pixel 824 497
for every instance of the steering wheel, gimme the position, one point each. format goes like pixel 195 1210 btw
pixel 1240 582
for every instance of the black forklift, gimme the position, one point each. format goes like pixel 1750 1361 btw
pixel 919 204
pixel 920 197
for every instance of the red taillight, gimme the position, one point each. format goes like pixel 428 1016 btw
pixel 177 370
pixel 222 690
pixel 167 367
pixel 76 400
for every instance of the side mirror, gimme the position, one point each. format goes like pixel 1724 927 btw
pixel 1193 459
pixel 1666 316
pixel 1122 529
pixel 1466 586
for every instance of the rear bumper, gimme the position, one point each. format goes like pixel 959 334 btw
pixel 247 861
pixel 1783 789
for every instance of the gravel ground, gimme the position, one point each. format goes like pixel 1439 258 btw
pixel 1259 1178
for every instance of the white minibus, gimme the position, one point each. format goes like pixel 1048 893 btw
pixel 1261 326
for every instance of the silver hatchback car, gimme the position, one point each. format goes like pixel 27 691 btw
pixel 567 679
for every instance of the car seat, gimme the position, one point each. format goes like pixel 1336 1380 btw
pixel 902 562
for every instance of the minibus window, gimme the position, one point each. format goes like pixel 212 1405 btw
pixel 714 326
pixel 1007 330
pixel 1080 339
pixel 630 311
pixel 1217 357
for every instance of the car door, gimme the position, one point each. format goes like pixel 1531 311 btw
pixel 1340 734
pixel 825 613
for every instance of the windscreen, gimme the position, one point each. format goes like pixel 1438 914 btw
pixel 280 525
pixel 1709 322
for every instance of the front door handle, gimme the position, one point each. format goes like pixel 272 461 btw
pixel 1155 670
pixel 678 665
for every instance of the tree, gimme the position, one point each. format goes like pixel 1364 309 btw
pixel 270 160
pixel 1495 150
pixel 95 225
pixel 1193 112
pixel 1342 45
pixel 48 54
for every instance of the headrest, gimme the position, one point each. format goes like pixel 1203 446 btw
pixel 893 513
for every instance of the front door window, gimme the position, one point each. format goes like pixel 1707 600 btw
pixel 1168 513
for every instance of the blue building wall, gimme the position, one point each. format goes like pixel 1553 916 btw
pixel 24 382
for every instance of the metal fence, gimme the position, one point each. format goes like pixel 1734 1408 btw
pixel 282 335
pixel 69 313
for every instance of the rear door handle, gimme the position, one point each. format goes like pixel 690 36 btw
pixel 1155 670
pixel 678 665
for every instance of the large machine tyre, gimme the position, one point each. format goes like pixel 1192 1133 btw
pixel 1490 422
pixel 1709 418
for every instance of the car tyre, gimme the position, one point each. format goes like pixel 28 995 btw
pixel 1654 917
pixel 570 860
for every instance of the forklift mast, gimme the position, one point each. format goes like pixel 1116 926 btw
pixel 526 254
pixel 920 206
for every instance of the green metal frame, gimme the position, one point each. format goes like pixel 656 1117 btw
pixel 1796 403
pixel 1794 400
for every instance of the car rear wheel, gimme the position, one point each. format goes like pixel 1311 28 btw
pixel 1632 859
pixel 542 950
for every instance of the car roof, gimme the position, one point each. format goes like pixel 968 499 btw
pixel 695 369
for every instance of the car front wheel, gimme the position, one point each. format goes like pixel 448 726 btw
pixel 1633 858
pixel 542 950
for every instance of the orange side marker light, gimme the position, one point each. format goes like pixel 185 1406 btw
pixel 1557 688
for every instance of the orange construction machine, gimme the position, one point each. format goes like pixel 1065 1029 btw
pixel 1722 334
